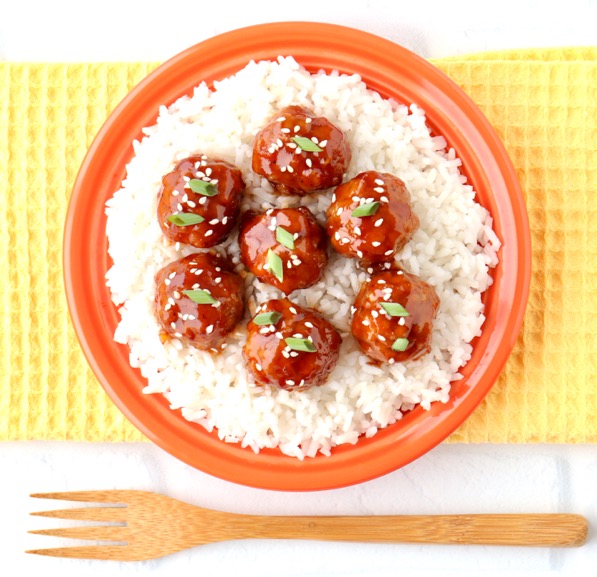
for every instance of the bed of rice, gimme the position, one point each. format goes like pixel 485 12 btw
pixel 453 250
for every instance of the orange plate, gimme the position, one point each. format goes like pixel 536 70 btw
pixel 392 71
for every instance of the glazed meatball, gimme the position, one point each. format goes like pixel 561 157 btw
pixel 370 217
pixel 393 316
pixel 299 152
pixel 284 247
pixel 199 300
pixel 291 347
pixel 199 201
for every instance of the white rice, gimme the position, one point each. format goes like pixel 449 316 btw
pixel 453 250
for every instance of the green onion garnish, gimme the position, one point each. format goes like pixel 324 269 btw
pixel 203 187
pixel 400 345
pixel 284 237
pixel 368 209
pixel 306 144
pixel 270 318
pixel 395 309
pixel 200 297
pixel 185 218
pixel 303 345
pixel 276 267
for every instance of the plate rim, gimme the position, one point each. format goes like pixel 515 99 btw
pixel 213 458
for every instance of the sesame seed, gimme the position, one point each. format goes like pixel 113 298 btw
pixel 295 236
pixel 209 232
pixel 353 309
pixel 179 207
pixel 309 325
pixel 314 139
pixel 334 197
pixel 294 354
pixel 214 221
pixel 296 127
pixel 384 199
pixel 298 335
pixel 379 189
pixel 225 220
pixel 290 382
pixel 381 338
pixel 378 181
pixel 185 198
pixel 356 199
pixel 308 120
pixel 203 200
pixel 167 307
pixel 308 162
pixel 357 230
pixel 209 329
pixel 279 335
pixel 264 331
pixel 167 282
pixel 191 317
pixel 344 240
pixel 365 323
pixel 378 222
pixel 374 314
pixel 288 264
pixel 279 143
pixel 218 280
pixel 282 169
pixel 175 192
pixel 178 335
pixel 171 275
pixel 289 168
pixel 171 301
pixel 217 305
pixel 381 281
pixel 391 361
pixel 173 324
pixel 292 310
pixel 280 119
pixel 401 321
pixel 200 174
pixel 285 354
pixel 191 204
pixel 198 271
pixel 388 252
pixel 258 366
pixel 176 295
pixel 272 149
pixel 285 130
pixel 323 143
pixel 375 243
pixel 370 270
pixel 360 253
pixel 214 181
pixel 337 235
pixel 208 172
pixel 292 145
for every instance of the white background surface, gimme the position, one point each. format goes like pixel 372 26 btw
pixel 450 479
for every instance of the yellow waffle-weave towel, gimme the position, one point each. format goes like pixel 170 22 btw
pixel 543 104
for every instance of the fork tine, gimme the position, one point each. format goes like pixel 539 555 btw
pixel 110 496
pixel 101 533
pixel 113 514
pixel 113 552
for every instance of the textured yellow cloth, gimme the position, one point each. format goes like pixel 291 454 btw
pixel 543 103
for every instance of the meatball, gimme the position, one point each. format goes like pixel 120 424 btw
pixel 199 201
pixel 393 316
pixel 284 247
pixel 199 299
pixel 291 347
pixel 299 152
pixel 370 217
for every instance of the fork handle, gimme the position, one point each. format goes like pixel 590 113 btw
pixel 539 530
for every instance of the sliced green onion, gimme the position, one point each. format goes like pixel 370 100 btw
pixel 203 187
pixel 400 345
pixel 368 209
pixel 200 297
pixel 284 237
pixel 395 309
pixel 306 144
pixel 185 218
pixel 276 267
pixel 270 318
pixel 303 345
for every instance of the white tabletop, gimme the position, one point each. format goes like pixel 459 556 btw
pixel 452 478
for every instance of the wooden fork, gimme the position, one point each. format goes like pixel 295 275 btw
pixel 153 525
